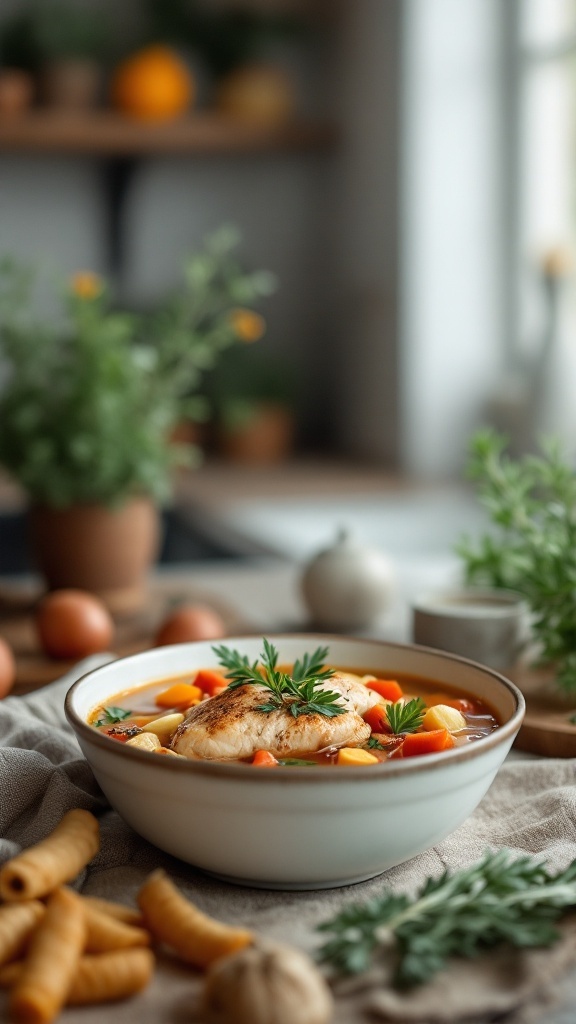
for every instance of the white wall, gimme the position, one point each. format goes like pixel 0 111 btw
pixel 450 340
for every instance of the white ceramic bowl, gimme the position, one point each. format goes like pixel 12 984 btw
pixel 296 828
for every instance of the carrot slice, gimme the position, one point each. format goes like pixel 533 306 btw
pixel 178 695
pixel 264 759
pixel 210 681
pixel 376 718
pixel 387 688
pixel 427 742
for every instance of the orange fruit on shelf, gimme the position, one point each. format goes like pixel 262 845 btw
pixel 153 84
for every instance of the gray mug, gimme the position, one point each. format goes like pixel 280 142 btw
pixel 486 625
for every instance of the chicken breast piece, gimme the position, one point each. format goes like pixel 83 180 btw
pixel 228 726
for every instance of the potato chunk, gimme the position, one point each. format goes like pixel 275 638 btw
pixel 355 756
pixel 442 716
pixel 145 741
pixel 164 727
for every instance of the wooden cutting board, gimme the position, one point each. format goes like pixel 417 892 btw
pixel 133 632
pixel 547 729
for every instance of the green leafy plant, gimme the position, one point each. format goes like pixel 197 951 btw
pixel 498 900
pixel 226 36
pixel 63 30
pixel 300 693
pixel 52 29
pixel 244 379
pixel 89 403
pixel 532 505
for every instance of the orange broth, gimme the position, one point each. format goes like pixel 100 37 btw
pixel 139 707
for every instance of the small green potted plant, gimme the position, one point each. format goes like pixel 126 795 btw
pixel 252 397
pixel 72 44
pixel 90 405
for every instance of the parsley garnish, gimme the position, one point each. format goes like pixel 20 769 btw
pixel 299 693
pixel 374 744
pixel 498 900
pixel 112 715
pixel 406 717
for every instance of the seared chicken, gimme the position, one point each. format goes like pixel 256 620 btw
pixel 228 726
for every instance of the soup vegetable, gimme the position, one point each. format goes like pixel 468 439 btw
pixel 305 714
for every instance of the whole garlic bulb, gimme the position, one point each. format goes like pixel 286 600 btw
pixel 266 983
pixel 347 586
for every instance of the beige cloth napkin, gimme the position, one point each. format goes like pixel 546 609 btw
pixel 531 808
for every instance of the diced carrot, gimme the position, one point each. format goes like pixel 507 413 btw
pixel 376 718
pixel 426 742
pixel 264 759
pixel 178 695
pixel 387 688
pixel 210 681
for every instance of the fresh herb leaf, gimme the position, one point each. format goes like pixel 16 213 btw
pixel 297 762
pixel 112 715
pixel 374 744
pixel 572 719
pixel 300 693
pixel 406 717
pixel 498 900
pixel 532 548
pixel 312 665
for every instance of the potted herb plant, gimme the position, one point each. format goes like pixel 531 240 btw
pixel 72 44
pixel 531 549
pixel 89 408
pixel 252 399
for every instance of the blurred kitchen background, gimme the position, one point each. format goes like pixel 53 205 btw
pixel 406 170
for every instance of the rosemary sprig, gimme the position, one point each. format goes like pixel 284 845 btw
pixel 498 900
pixel 299 693
pixel 406 717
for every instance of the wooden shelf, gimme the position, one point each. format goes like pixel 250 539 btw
pixel 106 134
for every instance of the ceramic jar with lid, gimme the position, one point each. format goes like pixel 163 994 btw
pixel 347 586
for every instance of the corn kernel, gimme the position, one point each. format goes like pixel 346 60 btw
pixel 442 716
pixel 355 756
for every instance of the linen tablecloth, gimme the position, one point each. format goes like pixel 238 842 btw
pixel 530 808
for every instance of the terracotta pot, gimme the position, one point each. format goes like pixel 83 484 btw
pixel 106 551
pixel 16 92
pixel 266 436
pixel 71 84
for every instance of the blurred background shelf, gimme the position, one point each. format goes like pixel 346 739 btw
pixel 104 133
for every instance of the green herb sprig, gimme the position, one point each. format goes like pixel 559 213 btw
pixel 406 717
pixel 299 693
pixel 112 715
pixel 498 900
pixel 532 504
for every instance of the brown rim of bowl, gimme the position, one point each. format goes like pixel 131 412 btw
pixel 283 772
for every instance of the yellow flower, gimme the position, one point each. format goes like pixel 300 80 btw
pixel 247 325
pixel 86 285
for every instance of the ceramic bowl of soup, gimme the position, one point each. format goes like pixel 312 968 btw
pixel 321 819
